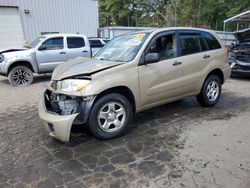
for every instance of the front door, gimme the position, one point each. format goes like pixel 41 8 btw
pixel 162 80
pixel 51 54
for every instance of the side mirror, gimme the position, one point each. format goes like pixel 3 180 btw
pixel 42 47
pixel 151 58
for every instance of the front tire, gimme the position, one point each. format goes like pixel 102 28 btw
pixel 110 117
pixel 210 92
pixel 20 76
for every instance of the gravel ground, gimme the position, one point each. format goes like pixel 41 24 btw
pixel 175 145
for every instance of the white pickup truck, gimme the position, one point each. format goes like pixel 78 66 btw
pixel 43 55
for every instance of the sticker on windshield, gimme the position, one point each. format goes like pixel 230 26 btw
pixel 134 42
pixel 139 36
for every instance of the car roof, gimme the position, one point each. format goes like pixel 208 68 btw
pixel 156 30
pixel 96 38
pixel 243 34
pixel 93 38
pixel 64 35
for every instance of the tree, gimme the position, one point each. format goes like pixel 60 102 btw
pixel 162 13
pixel 117 12
pixel 164 10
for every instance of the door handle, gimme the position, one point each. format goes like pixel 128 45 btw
pixel 62 53
pixel 84 51
pixel 206 56
pixel 176 63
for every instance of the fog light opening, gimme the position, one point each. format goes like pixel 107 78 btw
pixel 51 128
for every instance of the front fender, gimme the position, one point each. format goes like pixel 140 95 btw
pixel 31 59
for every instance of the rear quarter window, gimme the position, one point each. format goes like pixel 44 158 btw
pixel 212 42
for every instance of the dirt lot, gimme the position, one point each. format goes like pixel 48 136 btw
pixel 176 145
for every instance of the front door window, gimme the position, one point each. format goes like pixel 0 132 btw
pixel 54 43
pixel 165 46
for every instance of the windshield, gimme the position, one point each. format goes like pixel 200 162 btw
pixel 123 48
pixel 35 42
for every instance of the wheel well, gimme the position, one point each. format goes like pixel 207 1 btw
pixel 218 73
pixel 20 63
pixel 122 90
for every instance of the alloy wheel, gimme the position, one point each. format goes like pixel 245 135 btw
pixel 21 77
pixel 212 91
pixel 111 117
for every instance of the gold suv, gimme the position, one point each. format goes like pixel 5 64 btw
pixel 131 73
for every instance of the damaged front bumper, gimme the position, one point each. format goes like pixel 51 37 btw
pixel 59 111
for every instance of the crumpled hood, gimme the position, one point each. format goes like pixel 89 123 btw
pixel 12 49
pixel 81 66
pixel 242 35
pixel 19 53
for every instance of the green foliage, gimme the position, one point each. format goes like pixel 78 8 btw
pixel 161 13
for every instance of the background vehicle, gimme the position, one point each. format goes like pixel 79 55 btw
pixel 239 54
pixel 134 72
pixel 43 55
pixel 97 43
pixel 227 37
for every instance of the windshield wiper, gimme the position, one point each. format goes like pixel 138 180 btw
pixel 103 59
pixel 109 60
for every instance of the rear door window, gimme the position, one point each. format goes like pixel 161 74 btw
pixel 212 42
pixel 203 45
pixel 75 42
pixel 189 43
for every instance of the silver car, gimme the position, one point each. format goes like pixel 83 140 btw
pixel 97 43
pixel 42 55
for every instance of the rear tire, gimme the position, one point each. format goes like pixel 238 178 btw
pixel 110 117
pixel 20 76
pixel 210 92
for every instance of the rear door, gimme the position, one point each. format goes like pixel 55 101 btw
pixel 51 53
pixel 195 58
pixel 217 52
pixel 77 47
pixel 164 79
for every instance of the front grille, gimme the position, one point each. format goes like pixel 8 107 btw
pixel 240 67
pixel 244 57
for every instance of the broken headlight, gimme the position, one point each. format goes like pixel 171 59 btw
pixel 73 85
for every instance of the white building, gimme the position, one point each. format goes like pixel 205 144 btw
pixel 27 19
